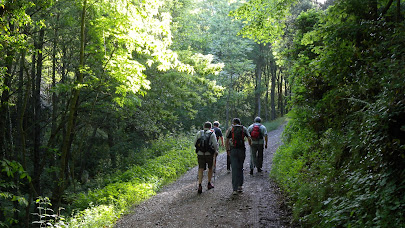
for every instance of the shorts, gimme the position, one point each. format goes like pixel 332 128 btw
pixel 205 159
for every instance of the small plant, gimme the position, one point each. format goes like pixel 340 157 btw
pixel 46 216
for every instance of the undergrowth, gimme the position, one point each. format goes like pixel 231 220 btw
pixel 330 185
pixel 102 207
pixel 273 125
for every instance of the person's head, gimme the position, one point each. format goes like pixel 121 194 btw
pixel 236 121
pixel 258 120
pixel 216 124
pixel 207 125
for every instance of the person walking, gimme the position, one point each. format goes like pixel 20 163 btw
pixel 206 147
pixel 218 133
pixel 257 131
pixel 235 147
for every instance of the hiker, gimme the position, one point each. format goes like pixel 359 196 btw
pixel 219 135
pixel 235 147
pixel 205 154
pixel 257 131
pixel 218 132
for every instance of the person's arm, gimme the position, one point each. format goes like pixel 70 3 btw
pixel 222 140
pixel 265 136
pixel 250 128
pixel 214 142
pixel 196 137
pixel 228 149
pixel 227 146
pixel 249 140
pixel 247 135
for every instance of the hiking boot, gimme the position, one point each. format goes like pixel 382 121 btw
pixel 210 186
pixel 259 170
pixel 199 189
pixel 251 171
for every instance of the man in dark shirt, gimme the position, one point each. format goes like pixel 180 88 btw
pixel 235 147
pixel 218 133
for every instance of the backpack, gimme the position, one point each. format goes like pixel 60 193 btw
pixel 203 143
pixel 255 134
pixel 238 136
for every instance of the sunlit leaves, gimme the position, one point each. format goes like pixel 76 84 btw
pixel 126 28
pixel 264 20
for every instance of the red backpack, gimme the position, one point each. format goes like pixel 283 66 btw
pixel 255 134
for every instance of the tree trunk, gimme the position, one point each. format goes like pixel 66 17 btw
pixel 227 103
pixel 37 113
pixel 113 156
pixel 67 140
pixel 20 142
pixel 285 95
pixel 54 95
pixel 273 88
pixel 267 82
pixel 398 14
pixel 258 76
pixel 280 95
pixel 4 101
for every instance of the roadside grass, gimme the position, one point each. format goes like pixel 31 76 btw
pixel 104 206
pixel 274 124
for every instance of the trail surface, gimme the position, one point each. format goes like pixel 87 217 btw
pixel 179 205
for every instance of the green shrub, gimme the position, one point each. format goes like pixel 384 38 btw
pixel 134 185
pixel 331 185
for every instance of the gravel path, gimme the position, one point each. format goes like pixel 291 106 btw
pixel 179 205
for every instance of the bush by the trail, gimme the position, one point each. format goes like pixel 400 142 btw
pixel 343 154
pixel 134 185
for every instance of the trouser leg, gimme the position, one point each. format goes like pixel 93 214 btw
pixel 259 163
pixel 237 159
pixel 253 156
pixel 228 162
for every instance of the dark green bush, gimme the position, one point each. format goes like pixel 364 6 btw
pixel 343 154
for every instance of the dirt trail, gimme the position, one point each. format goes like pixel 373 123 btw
pixel 179 205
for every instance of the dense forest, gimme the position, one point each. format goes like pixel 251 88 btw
pixel 100 100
